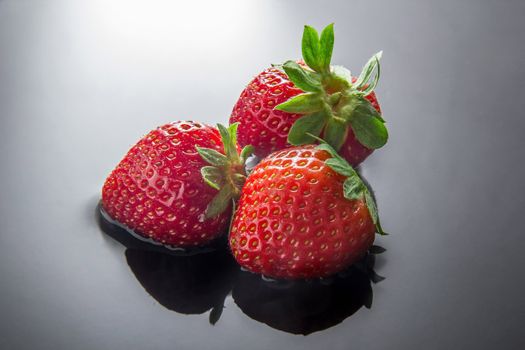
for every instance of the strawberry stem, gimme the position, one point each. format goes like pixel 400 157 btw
pixel 226 172
pixel 329 90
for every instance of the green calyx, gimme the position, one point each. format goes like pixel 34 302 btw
pixel 226 172
pixel 331 103
pixel 354 187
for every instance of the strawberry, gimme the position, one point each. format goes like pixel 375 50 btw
pixel 165 190
pixel 303 213
pixel 285 105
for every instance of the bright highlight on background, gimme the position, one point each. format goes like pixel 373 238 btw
pixel 154 31
pixel 111 52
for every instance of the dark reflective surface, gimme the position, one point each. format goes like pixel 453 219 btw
pixel 188 285
pixel 197 282
pixel 303 307
pixel 81 81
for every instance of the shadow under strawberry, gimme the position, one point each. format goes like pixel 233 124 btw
pixel 304 307
pixel 198 280
pixel 185 284
pixel 190 281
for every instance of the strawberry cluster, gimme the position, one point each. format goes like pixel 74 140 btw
pixel 302 211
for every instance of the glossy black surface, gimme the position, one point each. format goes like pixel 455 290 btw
pixel 191 283
pixel 81 81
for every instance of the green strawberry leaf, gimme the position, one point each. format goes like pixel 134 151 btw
pixel 229 140
pixel 212 156
pixel 311 124
pixel 379 229
pixel 335 133
pixel 369 131
pixel 326 45
pixel 302 104
pixel 353 188
pixel 372 209
pixel 371 204
pixel 246 152
pixel 338 163
pixel 342 73
pixel 340 166
pixel 341 78
pixel 212 176
pixel 311 48
pixel 301 79
pixel 367 124
pixel 362 83
pixel 220 202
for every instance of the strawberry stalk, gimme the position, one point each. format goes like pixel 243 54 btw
pixel 226 172
pixel 331 102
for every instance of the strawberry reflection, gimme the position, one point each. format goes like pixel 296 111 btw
pixel 185 284
pixel 191 281
pixel 304 307
pixel 199 280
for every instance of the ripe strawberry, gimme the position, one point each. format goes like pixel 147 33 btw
pixel 303 213
pixel 157 189
pixel 284 104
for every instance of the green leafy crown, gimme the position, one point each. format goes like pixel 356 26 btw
pixel 331 103
pixel 353 186
pixel 226 172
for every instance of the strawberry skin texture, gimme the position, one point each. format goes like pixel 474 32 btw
pixel 266 129
pixel 293 221
pixel 157 189
pixel 260 125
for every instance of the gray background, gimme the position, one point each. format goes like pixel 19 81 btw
pixel 81 81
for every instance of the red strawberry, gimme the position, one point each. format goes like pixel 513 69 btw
pixel 262 126
pixel 157 189
pixel 303 213
pixel 282 105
